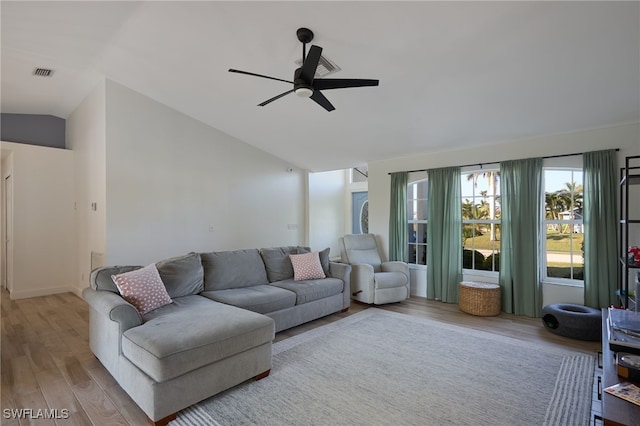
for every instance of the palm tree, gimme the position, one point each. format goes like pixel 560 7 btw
pixel 572 193
pixel 492 177
pixel 568 199
pixel 470 212
pixel 467 209
pixel 577 191
pixel 555 203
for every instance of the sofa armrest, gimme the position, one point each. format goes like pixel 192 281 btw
pixel 362 282
pixel 343 272
pixel 362 273
pixel 113 307
pixel 398 267
pixel 395 267
pixel 340 270
pixel 109 317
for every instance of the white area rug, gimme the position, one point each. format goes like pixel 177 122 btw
pixel 384 368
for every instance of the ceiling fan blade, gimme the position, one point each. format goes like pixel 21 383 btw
pixel 322 101
pixel 342 83
pixel 310 64
pixel 268 101
pixel 259 75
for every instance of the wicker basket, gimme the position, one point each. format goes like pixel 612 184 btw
pixel 477 298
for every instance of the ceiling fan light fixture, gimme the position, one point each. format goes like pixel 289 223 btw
pixel 304 92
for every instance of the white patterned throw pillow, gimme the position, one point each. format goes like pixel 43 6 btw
pixel 143 288
pixel 307 266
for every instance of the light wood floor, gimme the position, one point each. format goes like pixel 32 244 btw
pixel 47 364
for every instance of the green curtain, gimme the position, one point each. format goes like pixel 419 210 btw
pixel 600 217
pixel 521 225
pixel 444 235
pixel 398 242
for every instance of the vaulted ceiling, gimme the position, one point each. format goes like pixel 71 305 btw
pixel 452 74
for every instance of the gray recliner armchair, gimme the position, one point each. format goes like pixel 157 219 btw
pixel 372 280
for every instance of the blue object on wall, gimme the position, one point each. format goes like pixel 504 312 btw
pixel 360 212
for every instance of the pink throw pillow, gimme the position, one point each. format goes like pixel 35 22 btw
pixel 143 288
pixel 307 266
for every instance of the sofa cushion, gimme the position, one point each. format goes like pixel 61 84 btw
pixel 260 298
pixel 143 288
pixel 307 266
pixel 101 280
pixel 182 275
pixel 277 263
pixel 310 290
pixel 192 332
pixel 233 269
pixel 324 258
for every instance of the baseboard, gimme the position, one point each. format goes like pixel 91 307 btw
pixel 25 294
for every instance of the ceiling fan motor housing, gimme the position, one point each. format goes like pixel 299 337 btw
pixel 301 87
pixel 305 35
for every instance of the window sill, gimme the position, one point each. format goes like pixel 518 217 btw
pixel 417 266
pixel 565 283
pixel 494 275
pixel 480 273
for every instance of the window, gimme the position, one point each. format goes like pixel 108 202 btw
pixel 359 174
pixel 417 212
pixel 563 231
pixel 563 227
pixel 481 220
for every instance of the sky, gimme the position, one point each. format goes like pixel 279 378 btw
pixel 554 180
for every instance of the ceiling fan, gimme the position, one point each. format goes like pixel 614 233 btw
pixel 304 83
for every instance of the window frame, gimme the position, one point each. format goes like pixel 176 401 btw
pixel 570 163
pixel 474 196
pixel 413 180
pixel 564 166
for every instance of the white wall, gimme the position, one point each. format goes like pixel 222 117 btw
pixel 626 137
pixel 327 204
pixel 87 138
pixel 43 219
pixel 174 185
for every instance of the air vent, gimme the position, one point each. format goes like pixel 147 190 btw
pixel 325 67
pixel 43 72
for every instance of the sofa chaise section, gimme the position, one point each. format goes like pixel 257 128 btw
pixel 181 353
pixel 174 360
pixel 170 343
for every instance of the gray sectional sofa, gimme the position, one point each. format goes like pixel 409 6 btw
pixel 217 332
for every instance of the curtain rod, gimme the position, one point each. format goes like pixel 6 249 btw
pixel 498 162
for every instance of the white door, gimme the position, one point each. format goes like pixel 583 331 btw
pixel 8 235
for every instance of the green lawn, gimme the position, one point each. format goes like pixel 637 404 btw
pixel 483 242
pixel 556 243
pixel 559 242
